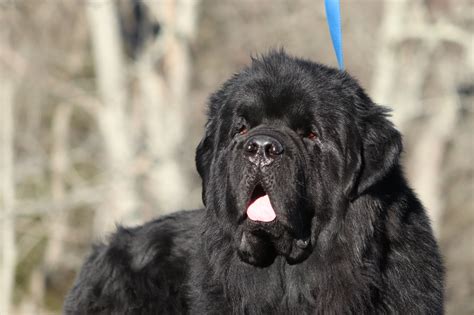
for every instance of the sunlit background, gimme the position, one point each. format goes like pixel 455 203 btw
pixel 103 102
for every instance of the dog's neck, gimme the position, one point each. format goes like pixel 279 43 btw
pixel 288 283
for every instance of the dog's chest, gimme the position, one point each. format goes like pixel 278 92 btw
pixel 292 291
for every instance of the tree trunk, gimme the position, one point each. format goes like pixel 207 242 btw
pixel 407 67
pixel 120 204
pixel 164 98
pixel 7 194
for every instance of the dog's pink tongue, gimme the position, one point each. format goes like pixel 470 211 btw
pixel 261 210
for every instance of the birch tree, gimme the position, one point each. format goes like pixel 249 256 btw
pixel 164 96
pixel 408 61
pixel 7 192
pixel 120 203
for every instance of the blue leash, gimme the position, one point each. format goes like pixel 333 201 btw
pixel 333 15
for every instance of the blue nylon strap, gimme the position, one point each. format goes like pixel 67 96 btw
pixel 334 22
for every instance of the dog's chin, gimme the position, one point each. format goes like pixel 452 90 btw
pixel 256 250
pixel 260 244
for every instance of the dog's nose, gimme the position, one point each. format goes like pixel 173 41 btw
pixel 262 149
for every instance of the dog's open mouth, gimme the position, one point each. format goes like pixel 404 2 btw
pixel 260 208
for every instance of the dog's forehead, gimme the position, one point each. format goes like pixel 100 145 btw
pixel 294 91
pixel 275 98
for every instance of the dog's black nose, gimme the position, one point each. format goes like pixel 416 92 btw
pixel 261 149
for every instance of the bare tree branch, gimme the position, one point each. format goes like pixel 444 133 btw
pixel 59 165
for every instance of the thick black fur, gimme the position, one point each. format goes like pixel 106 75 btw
pixel 350 236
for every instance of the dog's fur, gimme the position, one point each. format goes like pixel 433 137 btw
pixel 350 236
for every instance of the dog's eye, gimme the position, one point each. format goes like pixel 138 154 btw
pixel 311 135
pixel 243 130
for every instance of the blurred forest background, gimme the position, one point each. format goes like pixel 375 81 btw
pixel 102 104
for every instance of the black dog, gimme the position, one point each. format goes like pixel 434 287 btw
pixel 306 211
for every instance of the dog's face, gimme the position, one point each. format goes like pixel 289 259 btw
pixel 289 145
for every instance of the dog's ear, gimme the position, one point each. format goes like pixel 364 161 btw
pixel 380 149
pixel 203 161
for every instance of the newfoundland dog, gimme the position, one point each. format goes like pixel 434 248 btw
pixel 307 211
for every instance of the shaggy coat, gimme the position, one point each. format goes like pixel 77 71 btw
pixel 349 237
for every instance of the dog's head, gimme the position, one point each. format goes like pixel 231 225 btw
pixel 289 144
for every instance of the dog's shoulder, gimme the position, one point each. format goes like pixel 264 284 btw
pixel 141 268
